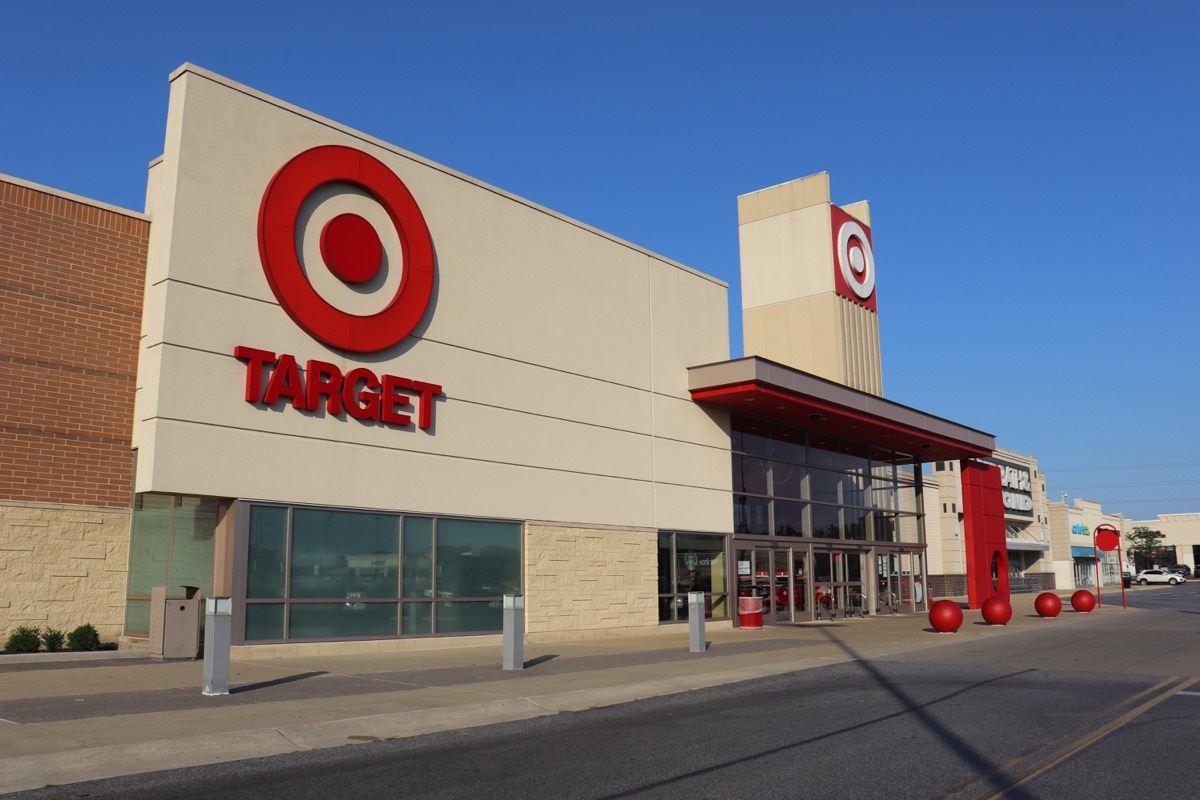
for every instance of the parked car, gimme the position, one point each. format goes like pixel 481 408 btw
pixel 1158 576
pixel 1180 569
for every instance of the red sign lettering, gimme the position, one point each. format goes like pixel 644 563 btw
pixel 360 392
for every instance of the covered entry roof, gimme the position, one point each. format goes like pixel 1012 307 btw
pixel 757 387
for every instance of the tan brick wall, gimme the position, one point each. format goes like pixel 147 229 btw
pixel 582 580
pixel 71 276
pixel 62 566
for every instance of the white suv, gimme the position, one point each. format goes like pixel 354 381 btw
pixel 1158 576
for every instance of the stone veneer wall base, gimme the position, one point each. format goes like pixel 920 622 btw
pixel 62 566
pixel 581 580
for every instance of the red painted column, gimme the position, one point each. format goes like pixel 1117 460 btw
pixel 983 527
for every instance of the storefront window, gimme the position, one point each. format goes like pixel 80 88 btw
pixel 826 522
pixel 855 522
pixel 910 529
pixel 885 527
pixel 418 557
pixel 788 445
pixel 473 617
pixel 193 526
pixel 751 515
pixel 148 546
pixel 171 544
pixel 477 559
pixel 351 618
pixel 418 619
pixel 827 487
pixel 344 554
pixel 787 480
pixel 850 496
pixel 267 554
pixel 358 574
pixel 264 621
pixel 789 518
pixel 750 474
pixel 751 436
pixel 692 562
pixel 829 453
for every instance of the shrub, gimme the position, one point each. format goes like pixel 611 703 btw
pixel 84 637
pixel 53 640
pixel 24 640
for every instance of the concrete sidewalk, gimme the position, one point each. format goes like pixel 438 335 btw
pixel 69 721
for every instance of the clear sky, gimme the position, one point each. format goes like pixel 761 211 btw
pixel 1032 167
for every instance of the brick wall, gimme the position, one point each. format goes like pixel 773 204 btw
pixel 947 586
pixel 71 276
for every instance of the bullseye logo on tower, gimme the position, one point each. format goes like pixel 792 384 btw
pixel 854 259
pixel 345 249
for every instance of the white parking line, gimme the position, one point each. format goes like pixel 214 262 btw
pixel 1193 694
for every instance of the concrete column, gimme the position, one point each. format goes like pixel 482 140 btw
pixel 514 631
pixel 696 642
pixel 218 630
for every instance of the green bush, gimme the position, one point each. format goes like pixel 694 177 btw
pixel 84 637
pixel 24 640
pixel 53 640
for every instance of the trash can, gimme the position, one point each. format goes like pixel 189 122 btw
pixel 1126 580
pixel 174 622
pixel 750 613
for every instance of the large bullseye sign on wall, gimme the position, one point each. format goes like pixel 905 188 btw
pixel 348 255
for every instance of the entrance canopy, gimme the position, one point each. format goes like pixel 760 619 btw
pixel 761 388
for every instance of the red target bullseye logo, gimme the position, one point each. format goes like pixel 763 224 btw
pixel 854 259
pixel 349 246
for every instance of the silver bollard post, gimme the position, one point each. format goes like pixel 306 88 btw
pixel 218 631
pixel 514 631
pixel 696 622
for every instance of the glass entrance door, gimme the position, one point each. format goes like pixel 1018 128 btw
pixel 838 584
pixel 769 574
pixel 887 565
pixel 912 582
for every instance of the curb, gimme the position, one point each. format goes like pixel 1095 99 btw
pixel 88 655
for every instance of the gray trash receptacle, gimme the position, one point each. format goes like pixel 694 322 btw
pixel 174 622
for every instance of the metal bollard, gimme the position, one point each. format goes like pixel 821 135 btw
pixel 218 630
pixel 696 622
pixel 514 631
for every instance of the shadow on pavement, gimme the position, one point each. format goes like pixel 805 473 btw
pixel 249 687
pixel 920 711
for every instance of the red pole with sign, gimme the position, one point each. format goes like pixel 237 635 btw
pixel 1107 538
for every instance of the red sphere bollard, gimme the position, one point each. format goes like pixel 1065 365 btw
pixel 1048 604
pixel 996 611
pixel 945 616
pixel 1083 601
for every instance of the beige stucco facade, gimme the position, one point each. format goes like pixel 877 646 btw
pixel 1072 527
pixel 791 312
pixel 1181 531
pixel 561 350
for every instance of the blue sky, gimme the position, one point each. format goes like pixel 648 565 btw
pixel 1031 166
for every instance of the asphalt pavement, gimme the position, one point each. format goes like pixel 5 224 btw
pixel 68 721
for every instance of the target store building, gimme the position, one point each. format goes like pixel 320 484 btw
pixel 370 395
